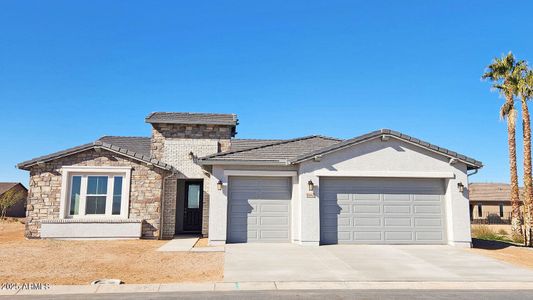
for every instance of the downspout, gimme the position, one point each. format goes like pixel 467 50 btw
pixel 163 203
pixel 473 173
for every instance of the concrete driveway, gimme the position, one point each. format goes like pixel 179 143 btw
pixel 290 262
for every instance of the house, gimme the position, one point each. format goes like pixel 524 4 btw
pixel 193 175
pixel 490 199
pixel 18 210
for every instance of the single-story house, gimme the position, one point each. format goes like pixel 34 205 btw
pixel 18 210
pixel 193 175
pixel 492 199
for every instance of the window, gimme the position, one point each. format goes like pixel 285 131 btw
pixel 117 195
pixel 501 210
pixel 75 195
pixel 479 210
pixel 193 196
pixel 96 195
pixel 95 192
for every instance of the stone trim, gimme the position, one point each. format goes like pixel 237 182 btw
pixel 84 221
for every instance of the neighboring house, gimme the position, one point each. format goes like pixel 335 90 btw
pixel 192 175
pixel 19 209
pixel 490 199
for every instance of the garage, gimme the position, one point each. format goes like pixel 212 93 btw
pixel 382 211
pixel 259 209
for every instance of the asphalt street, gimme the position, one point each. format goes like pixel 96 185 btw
pixel 309 294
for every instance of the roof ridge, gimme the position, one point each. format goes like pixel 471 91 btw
pixel 239 139
pixel 98 143
pixel 329 137
pixel 123 136
pixel 393 133
pixel 261 146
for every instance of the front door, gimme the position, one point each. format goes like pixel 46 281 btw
pixel 192 220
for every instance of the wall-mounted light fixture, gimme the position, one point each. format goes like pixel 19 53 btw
pixel 219 185
pixel 460 187
pixel 311 185
pixel 191 155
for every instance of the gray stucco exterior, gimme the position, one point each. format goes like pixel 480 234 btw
pixel 375 158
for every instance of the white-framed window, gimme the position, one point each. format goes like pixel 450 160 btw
pixel 95 192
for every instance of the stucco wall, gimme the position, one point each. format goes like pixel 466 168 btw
pixel 45 189
pixel 393 156
pixel 218 203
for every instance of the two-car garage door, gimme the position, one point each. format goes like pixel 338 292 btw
pixel 381 211
pixel 259 209
pixel 352 210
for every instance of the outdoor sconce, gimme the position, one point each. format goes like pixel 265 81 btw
pixel 219 185
pixel 311 185
pixel 461 187
pixel 191 155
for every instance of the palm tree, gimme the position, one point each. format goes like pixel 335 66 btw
pixel 503 72
pixel 525 90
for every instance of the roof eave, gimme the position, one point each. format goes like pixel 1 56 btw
pixel 471 163
pixel 97 145
pixel 208 162
pixel 191 122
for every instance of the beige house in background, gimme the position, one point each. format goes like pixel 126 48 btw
pixel 490 199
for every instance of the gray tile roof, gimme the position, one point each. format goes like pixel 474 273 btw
pixel 241 144
pixel 472 163
pixel 276 152
pixel 192 118
pixel 138 144
pixel 127 146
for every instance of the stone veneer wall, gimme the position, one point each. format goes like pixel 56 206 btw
pixel 45 189
pixel 171 143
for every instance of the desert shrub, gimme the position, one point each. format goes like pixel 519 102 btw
pixel 484 232
pixel 494 219
pixel 503 232
pixel 517 238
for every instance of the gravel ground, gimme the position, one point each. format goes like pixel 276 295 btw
pixel 515 255
pixel 80 262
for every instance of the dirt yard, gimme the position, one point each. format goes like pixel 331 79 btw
pixel 80 262
pixel 519 256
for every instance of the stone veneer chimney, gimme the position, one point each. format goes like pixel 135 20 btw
pixel 176 135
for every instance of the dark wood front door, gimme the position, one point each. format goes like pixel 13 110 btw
pixel 192 219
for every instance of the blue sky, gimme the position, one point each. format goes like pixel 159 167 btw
pixel 72 71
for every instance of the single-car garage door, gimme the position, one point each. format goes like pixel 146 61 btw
pixel 382 211
pixel 259 209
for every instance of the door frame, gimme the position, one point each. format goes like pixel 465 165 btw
pixel 187 183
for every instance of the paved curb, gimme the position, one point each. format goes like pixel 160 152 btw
pixel 269 285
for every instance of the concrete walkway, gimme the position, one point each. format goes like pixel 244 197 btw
pixel 182 243
pixel 266 286
pixel 364 263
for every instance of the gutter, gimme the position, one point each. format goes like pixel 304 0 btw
pixel 245 162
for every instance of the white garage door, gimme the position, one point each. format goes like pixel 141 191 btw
pixel 259 209
pixel 382 211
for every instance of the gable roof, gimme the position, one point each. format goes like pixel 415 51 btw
pixel 192 118
pixel 470 162
pixel 6 186
pixel 275 152
pixel 138 144
pixel 133 147
pixel 491 192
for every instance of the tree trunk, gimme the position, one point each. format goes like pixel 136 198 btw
pixel 528 184
pixel 515 196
